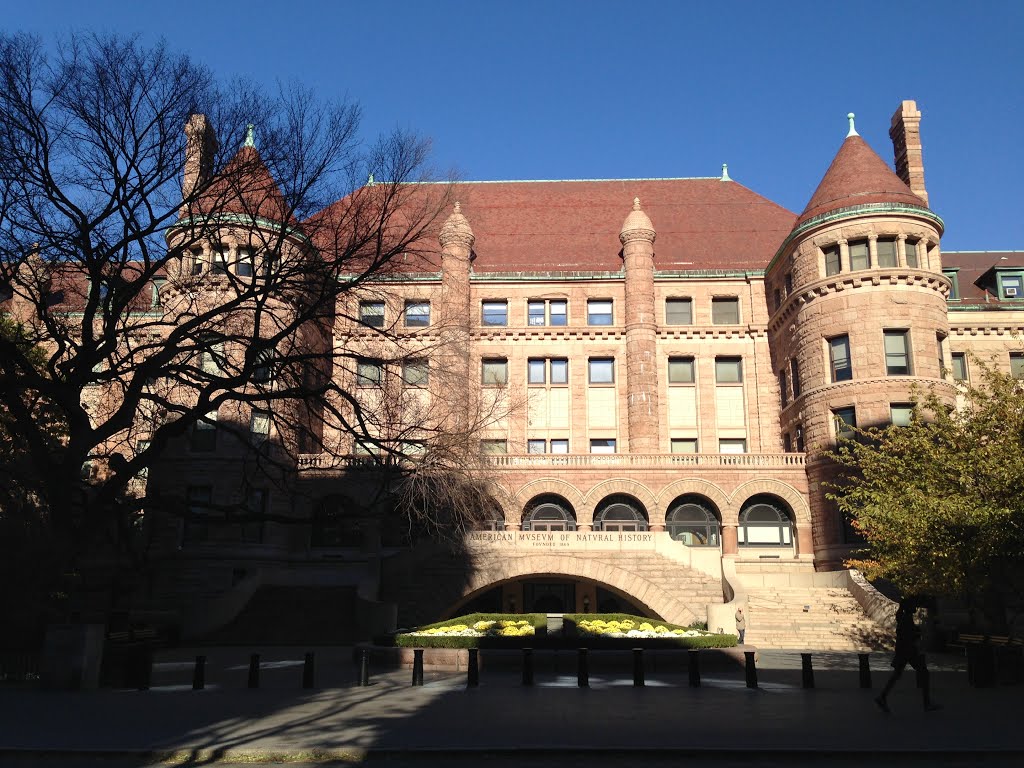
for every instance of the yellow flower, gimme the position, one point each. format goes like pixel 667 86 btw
pixel 646 627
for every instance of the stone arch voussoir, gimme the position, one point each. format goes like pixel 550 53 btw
pixel 786 492
pixel 658 599
pixel 623 485
pixel 708 490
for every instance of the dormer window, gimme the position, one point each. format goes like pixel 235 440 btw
pixel 1011 285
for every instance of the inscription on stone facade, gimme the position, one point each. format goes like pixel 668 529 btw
pixel 576 540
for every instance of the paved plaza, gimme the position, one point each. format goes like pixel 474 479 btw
pixel 390 718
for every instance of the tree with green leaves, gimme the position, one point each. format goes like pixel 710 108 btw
pixel 940 502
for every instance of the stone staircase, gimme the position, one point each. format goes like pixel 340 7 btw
pixel 810 618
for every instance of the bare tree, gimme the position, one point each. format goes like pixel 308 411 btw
pixel 183 251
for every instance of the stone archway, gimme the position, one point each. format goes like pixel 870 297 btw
pixel 661 599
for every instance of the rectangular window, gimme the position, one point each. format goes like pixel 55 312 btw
pixel 536 371
pixel 140 447
pixel 954 287
pixel 558 312
pixel 493 447
pixel 599 312
pixel 725 311
pixel 787 443
pixel 1017 365
pixel 369 373
pixel 371 313
pixel 263 371
pixel 559 446
pixel 839 358
pixel 897 353
pixel 494 313
pixel 832 261
pixel 212 357
pixel 678 311
pixel 601 370
pixel 684 445
pixel 886 252
pixel 417 314
pixel 859 255
pixel 1011 286
pixel 415 373
pixel 256 507
pixel 536 446
pixel 219 266
pixel 732 445
pixel 959 366
pixel 900 414
pixel 680 370
pixel 602 446
pixel 559 371
pixel 728 370
pixel 197 262
pixel 494 371
pixel 798 433
pixel 156 301
pixel 199 500
pixel 776 298
pixel 546 312
pixel 911 248
pixel 794 375
pixel 271 264
pixel 783 388
pixel 940 344
pixel 259 426
pixel 789 283
pixel 243 264
pixel 845 421
pixel 204 433
pixel 535 313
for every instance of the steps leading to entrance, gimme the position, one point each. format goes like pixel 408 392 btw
pixel 810 618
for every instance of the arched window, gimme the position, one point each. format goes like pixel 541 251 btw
pixel 550 515
pixel 620 514
pixel 336 524
pixel 765 522
pixel 693 522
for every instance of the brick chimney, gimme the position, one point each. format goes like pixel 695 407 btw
pixel 906 144
pixel 200 147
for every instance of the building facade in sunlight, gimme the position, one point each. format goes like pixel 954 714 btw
pixel 672 356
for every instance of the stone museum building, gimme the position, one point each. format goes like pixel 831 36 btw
pixel 673 355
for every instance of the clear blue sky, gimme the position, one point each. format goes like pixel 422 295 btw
pixel 527 89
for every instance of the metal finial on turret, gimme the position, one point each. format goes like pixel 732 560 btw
pixel 853 129
pixel 725 172
pixel 250 136
pixel 369 180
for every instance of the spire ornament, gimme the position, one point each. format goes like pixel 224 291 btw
pixel 853 129
pixel 250 136
pixel 725 172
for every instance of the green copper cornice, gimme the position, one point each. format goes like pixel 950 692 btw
pixel 240 219
pixel 853 212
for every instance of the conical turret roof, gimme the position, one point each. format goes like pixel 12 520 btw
pixel 246 186
pixel 857 176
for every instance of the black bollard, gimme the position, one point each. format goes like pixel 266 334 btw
pixel 364 668
pixel 808 670
pixel 417 666
pixel 638 667
pixel 751 669
pixel 254 671
pixel 199 674
pixel 308 670
pixel 527 666
pixel 865 670
pixel 473 672
pixel 693 655
pixel 582 670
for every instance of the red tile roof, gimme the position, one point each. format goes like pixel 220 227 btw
pixel 563 226
pixel 857 176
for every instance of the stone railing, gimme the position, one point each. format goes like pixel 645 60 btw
pixel 667 460
pixel 585 460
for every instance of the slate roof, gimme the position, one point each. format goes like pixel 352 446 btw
pixel 976 272
pixel 245 186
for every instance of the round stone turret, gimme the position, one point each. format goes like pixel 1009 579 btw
pixel 456 230
pixel 637 225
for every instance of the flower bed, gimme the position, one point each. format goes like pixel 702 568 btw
pixel 502 630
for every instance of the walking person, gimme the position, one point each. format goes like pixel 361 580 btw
pixel 741 625
pixel 908 651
